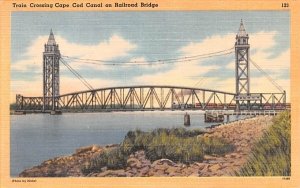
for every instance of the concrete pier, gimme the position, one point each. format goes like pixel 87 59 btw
pixel 187 119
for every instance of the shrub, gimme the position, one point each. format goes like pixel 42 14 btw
pixel 112 159
pixel 178 145
pixel 271 155
pixel 178 149
pixel 215 146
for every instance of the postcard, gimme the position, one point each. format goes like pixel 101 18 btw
pixel 149 93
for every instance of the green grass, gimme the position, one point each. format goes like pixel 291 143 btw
pixel 271 155
pixel 112 159
pixel 177 144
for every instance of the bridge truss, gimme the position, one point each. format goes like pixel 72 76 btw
pixel 139 98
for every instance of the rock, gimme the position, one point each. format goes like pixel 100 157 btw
pixel 144 170
pixel 187 171
pixel 157 162
pixel 112 173
pixel 163 161
pixel 194 174
pixel 172 170
pixel 128 174
pixel 96 148
pixel 200 165
pixel 151 172
pixel 111 145
pixel 244 144
pixel 234 155
pixel 167 161
pixel 140 154
pixel 161 167
pixel 160 173
pixel 83 149
pixel 48 162
pixel 133 171
pixel 133 162
pixel 172 174
pixel 209 157
pixel 103 169
pixel 215 167
pixel 145 162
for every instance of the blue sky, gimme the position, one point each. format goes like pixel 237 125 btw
pixel 146 36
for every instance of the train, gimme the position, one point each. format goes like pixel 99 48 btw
pixel 219 106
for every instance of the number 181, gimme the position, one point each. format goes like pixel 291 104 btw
pixel 285 5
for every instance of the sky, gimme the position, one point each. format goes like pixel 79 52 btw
pixel 151 37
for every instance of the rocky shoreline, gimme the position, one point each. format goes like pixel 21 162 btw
pixel 242 134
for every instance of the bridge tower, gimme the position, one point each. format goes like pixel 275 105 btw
pixel 51 58
pixel 242 71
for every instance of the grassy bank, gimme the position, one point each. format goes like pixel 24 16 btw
pixel 177 144
pixel 271 155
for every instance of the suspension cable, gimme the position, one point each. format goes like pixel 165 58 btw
pixel 267 76
pixel 77 74
pixel 152 62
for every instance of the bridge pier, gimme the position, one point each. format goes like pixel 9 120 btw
pixel 227 118
pixel 187 119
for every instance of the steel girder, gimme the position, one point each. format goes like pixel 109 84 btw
pixel 139 98
pixel 136 98
pixel 146 98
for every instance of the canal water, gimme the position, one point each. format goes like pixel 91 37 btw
pixel 38 137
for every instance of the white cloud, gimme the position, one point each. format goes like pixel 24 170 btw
pixel 114 47
pixel 274 65
pixel 190 73
pixel 137 60
pixel 262 40
pixel 214 43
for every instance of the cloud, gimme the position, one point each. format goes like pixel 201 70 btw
pixel 208 45
pixel 194 73
pixel 188 73
pixel 114 47
pixel 262 40
pixel 274 65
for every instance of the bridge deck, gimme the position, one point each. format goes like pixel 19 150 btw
pixel 257 112
pixel 149 98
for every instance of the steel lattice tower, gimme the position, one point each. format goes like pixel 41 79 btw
pixel 242 71
pixel 51 58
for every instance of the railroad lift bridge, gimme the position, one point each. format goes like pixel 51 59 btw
pixel 151 97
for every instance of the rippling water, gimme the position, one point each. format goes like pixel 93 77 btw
pixel 38 137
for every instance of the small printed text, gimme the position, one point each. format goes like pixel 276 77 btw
pixel 86 5
pixel 24 180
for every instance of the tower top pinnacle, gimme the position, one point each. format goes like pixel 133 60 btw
pixel 242 31
pixel 51 40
